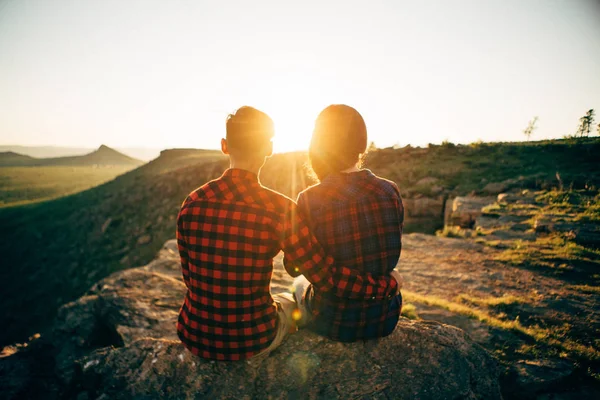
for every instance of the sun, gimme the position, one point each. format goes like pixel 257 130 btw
pixel 293 128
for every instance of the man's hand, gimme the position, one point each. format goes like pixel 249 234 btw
pixel 396 275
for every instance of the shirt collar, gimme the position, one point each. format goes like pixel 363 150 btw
pixel 346 176
pixel 241 174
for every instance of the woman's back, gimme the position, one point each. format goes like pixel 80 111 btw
pixel 358 218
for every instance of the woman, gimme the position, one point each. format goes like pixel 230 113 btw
pixel 358 218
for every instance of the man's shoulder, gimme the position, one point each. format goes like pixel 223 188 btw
pixel 274 200
pixel 208 191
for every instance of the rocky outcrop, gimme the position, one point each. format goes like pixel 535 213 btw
pixel 425 360
pixel 466 210
pixel 119 341
pixel 423 214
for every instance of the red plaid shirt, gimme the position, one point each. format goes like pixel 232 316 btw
pixel 228 232
pixel 358 218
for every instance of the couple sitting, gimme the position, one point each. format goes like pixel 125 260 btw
pixel 343 236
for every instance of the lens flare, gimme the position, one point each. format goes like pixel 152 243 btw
pixel 296 315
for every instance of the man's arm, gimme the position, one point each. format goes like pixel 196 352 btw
pixel 304 255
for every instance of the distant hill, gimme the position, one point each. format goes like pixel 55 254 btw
pixel 141 153
pixel 9 158
pixel 104 155
pixel 46 151
pixel 52 252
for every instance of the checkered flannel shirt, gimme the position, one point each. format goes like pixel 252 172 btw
pixel 228 232
pixel 358 218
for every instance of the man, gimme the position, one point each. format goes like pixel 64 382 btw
pixel 228 232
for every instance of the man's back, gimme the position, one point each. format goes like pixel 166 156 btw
pixel 228 232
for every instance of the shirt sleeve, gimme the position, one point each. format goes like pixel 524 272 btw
pixel 182 246
pixel 303 211
pixel 304 255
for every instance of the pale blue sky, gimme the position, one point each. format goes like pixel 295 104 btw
pixel 166 73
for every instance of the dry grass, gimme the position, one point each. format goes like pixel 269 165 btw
pixel 554 338
pixel 409 311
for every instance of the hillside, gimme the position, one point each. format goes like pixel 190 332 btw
pixel 25 179
pixel 141 153
pixel 45 151
pixel 54 251
pixel 13 159
pixel 104 155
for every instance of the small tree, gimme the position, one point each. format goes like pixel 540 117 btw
pixel 530 128
pixel 586 123
pixel 598 129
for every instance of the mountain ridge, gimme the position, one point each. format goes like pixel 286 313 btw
pixel 104 155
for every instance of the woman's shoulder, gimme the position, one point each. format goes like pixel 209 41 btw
pixel 385 185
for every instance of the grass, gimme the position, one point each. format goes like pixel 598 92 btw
pixel 585 288
pixel 491 301
pixel 553 338
pixel 23 185
pixel 409 311
pixel 555 252
pixel 562 323
pixel 462 169
pixel 457 232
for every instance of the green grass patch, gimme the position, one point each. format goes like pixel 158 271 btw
pixel 22 185
pixel 553 251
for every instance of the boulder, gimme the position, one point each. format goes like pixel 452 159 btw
pixel 424 360
pixel 424 207
pixel 427 181
pixel 523 197
pixel 495 187
pixel 465 210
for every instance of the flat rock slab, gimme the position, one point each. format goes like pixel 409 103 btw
pixel 424 360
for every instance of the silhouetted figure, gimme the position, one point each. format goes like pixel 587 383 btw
pixel 357 217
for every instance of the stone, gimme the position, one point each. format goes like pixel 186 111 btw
pixel 427 181
pixel 487 222
pixel 521 227
pixel 424 207
pixel 533 376
pixel 508 219
pixel 465 210
pixel 425 360
pixel 495 187
pixel 523 197
pixel 448 211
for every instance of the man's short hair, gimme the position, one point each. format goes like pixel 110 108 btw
pixel 249 129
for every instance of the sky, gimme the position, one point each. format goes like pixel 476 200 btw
pixel 165 74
